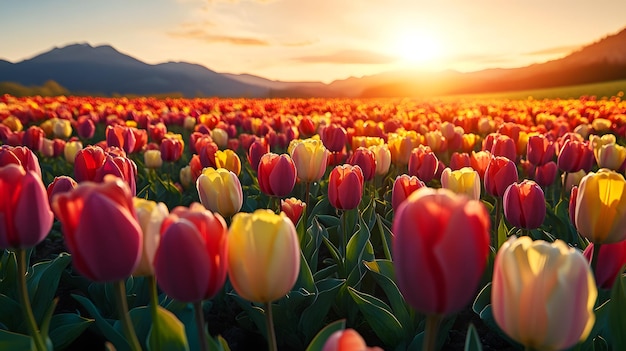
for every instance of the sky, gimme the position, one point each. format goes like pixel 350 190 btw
pixel 317 40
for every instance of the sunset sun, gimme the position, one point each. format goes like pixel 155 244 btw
pixel 416 47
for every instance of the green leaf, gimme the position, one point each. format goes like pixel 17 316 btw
pixel 167 332
pixel 10 312
pixel 617 314
pixel 305 278
pixel 599 344
pixel 472 340
pixel 42 282
pixel 317 344
pixel 313 316
pixel 383 273
pixel 386 236
pixel 502 233
pixel 379 317
pixel 483 299
pixel 356 247
pixel 105 328
pixel 66 327
pixel 8 269
pixel 14 341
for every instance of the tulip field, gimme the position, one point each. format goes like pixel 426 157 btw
pixel 312 224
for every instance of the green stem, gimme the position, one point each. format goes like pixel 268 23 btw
pixel 430 332
pixel 154 304
pixel 307 198
pixel 497 222
pixel 565 174
pixel 197 306
pixel 594 256
pixel 344 238
pixel 27 310
pixel 271 336
pixel 122 310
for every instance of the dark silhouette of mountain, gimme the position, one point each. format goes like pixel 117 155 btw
pixel 82 68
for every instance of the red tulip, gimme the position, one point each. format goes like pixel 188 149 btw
pixel 334 137
pixel 423 163
pixel 539 150
pixel 101 229
pixel 276 174
pixel 171 149
pixel 87 161
pixel 33 138
pixel 60 184
pixel 437 269
pixel 293 208
pixel 611 260
pixel 504 146
pixel 403 186
pixel 85 127
pixel 574 156
pixel 21 156
pixel 525 205
pixel 479 161
pixel 500 173
pixel 258 148
pixel 345 187
pixel 545 174
pixel 459 160
pixel 25 216
pixel 190 263
pixel 364 158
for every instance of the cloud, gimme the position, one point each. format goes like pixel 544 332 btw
pixel 202 35
pixel 555 50
pixel 300 43
pixel 347 57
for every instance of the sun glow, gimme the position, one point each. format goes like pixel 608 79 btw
pixel 416 47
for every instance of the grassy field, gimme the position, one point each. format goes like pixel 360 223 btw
pixel 600 90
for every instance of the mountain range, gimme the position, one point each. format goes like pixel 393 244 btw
pixel 102 70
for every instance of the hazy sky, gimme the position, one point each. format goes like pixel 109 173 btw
pixel 314 40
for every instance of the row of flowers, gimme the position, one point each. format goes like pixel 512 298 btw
pixel 354 170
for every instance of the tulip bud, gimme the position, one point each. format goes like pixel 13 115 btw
pixel 601 207
pixel 257 148
pixel 220 191
pixel 539 150
pixel 100 229
pixel 59 185
pixel 334 137
pixel 21 156
pixel 574 156
pixel 543 294
pixel 524 205
pixel 459 160
pixel 62 128
pixel 220 137
pixel 479 161
pixel 310 157
pixel 500 173
pixel 611 156
pixel 382 155
pixel 293 208
pixel 611 260
pixel 152 159
pixel 345 187
pixel 263 255
pixel 71 150
pixel 423 163
pixel 463 181
pixel 33 138
pixel 437 270
pixel 150 216
pixel 545 174
pixel 191 261
pixel 25 216
pixel 364 158
pixel 229 160
pixel 276 174
pixel 347 340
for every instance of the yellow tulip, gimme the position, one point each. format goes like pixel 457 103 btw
pixel 382 155
pixel 13 123
pixel 610 156
pixel 601 207
pixel 220 137
pixel 228 159
pixel 543 294
pixel 61 128
pixel 462 181
pixel 185 177
pixel 71 149
pixel 263 255
pixel 152 159
pixel 150 216
pixel 220 191
pixel 309 156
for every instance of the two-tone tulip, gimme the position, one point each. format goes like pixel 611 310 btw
pixel 276 174
pixel 462 181
pixel 220 191
pixel 345 187
pixel 310 157
pixel 543 294
pixel 150 216
pixel 423 163
pixel 600 212
pixel 293 208
pixel 403 186
pixel 364 158
pixel 500 173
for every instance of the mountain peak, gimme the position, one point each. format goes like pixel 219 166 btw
pixel 79 52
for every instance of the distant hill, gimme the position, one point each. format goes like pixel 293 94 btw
pixel 82 68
